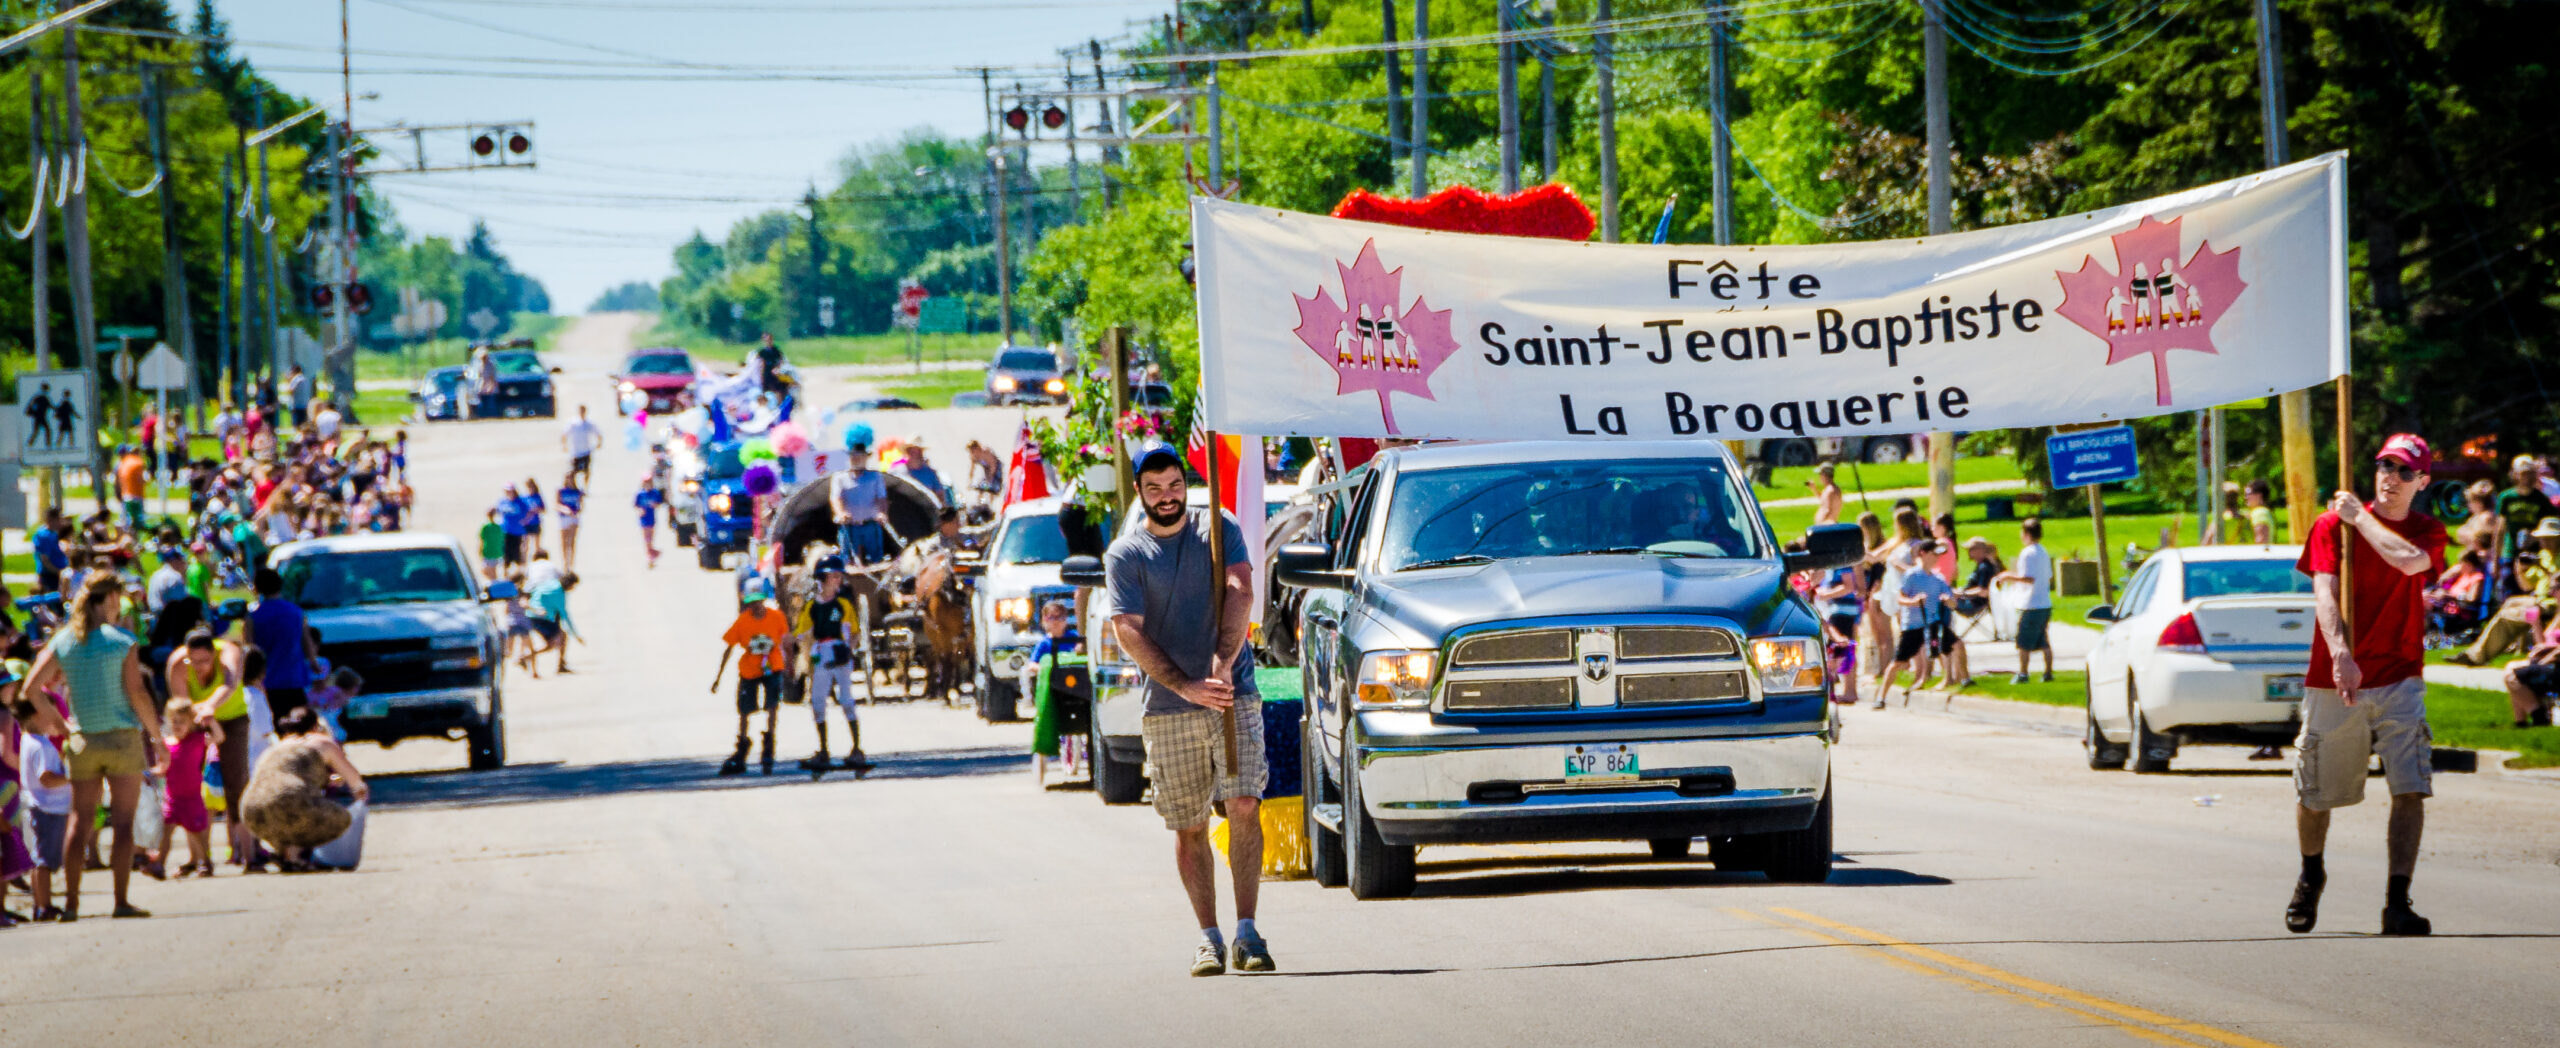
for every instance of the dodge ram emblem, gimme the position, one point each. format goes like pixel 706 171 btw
pixel 1596 666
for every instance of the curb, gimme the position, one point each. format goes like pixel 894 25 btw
pixel 2036 716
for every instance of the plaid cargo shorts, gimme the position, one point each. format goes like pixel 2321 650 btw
pixel 1187 761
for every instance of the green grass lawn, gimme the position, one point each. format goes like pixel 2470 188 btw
pixel 1789 482
pixel 887 348
pixel 934 389
pixel 2470 718
pixel 2069 688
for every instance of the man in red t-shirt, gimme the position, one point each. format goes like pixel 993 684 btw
pixel 2370 696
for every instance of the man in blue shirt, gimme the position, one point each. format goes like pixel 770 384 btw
pixel 51 561
pixel 515 520
pixel 276 627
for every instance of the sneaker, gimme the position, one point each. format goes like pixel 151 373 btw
pixel 2399 919
pixel 1251 954
pixel 2304 911
pixel 1205 960
pixel 2019 678
pixel 2048 676
pixel 125 910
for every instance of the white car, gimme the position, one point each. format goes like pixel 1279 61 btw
pixel 1021 571
pixel 2208 645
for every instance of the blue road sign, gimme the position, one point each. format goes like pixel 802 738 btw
pixel 2091 456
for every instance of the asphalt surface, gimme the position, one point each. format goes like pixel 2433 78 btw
pixel 608 888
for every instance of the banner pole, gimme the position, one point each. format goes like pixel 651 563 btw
pixel 2346 483
pixel 2106 575
pixel 1218 586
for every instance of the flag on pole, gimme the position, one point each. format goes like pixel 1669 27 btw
pixel 1027 475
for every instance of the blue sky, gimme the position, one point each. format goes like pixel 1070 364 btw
pixel 630 167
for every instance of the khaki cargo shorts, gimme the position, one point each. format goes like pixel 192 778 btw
pixel 2338 740
pixel 1187 761
pixel 106 754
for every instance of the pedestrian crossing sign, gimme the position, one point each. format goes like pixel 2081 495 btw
pixel 51 418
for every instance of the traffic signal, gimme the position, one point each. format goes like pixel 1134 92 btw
pixel 323 296
pixel 1053 118
pixel 484 144
pixel 1017 118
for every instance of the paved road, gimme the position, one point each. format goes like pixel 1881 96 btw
pixel 608 888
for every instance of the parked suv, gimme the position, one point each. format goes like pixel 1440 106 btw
pixel 405 612
pixel 1021 573
pixel 1560 641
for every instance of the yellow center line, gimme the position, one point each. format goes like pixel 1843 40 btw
pixel 2115 1008
pixel 1878 952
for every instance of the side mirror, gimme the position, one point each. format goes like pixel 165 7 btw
pixel 968 568
pixel 555 369
pixel 2103 613
pixel 1083 530
pixel 414 397
pixel 1829 546
pixel 1308 565
pixel 500 590
pixel 1081 570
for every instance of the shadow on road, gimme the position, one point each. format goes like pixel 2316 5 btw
pixel 1498 877
pixel 538 783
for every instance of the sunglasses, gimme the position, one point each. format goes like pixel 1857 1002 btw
pixel 2398 470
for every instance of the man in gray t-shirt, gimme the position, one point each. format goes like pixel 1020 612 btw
pixel 1159 580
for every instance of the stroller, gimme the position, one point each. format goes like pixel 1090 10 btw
pixel 2456 613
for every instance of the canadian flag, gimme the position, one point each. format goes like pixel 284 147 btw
pixel 1027 476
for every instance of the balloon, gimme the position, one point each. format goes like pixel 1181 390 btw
pixel 857 435
pixel 634 435
pixel 788 440
pixel 756 449
pixel 760 480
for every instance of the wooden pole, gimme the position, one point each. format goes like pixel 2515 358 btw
pixel 2346 483
pixel 2106 575
pixel 1218 588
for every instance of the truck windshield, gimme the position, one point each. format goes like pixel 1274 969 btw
pixel 1032 540
pixel 1680 507
pixel 720 462
pixel 1026 360
pixel 385 576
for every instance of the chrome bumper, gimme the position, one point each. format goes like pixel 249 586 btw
pixel 1686 787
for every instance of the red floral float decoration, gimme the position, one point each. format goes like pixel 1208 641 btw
pixel 1550 210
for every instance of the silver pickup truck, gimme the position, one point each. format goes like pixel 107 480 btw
pixel 1560 641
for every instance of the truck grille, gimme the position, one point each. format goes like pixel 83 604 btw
pixel 1553 693
pixel 1675 642
pixel 1663 689
pixel 402 665
pixel 1514 649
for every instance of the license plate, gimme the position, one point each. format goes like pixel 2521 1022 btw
pixel 1601 762
pixel 2284 689
pixel 361 708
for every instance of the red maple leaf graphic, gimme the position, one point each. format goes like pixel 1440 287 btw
pixel 1368 343
pixel 2153 303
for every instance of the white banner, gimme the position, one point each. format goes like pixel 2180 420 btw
pixel 1318 326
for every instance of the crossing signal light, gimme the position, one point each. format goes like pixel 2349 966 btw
pixel 484 144
pixel 1017 118
pixel 1053 118
pixel 517 143
pixel 323 295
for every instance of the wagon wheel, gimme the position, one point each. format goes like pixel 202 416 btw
pixel 862 613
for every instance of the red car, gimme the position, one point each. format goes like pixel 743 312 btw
pixel 663 373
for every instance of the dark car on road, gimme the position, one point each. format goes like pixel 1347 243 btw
pixel 1025 375
pixel 524 387
pixel 664 374
pixel 439 395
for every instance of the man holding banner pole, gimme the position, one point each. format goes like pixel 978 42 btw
pixel 2365 693
pixel 1163 581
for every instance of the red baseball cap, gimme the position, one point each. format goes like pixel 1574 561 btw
pixel 2408 449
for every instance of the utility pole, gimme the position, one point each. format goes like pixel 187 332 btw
pixel 1110 154
pixel 2293 410
pixel 1942 446
pixel 1217 133
pixel 223 361
pixel 1547 105
pixel 1419 146
pixel 1075 163
pixel 39 256
pixel 268 271
pixel 1004 257
pixel 817 256
pixel 75 249
pixel 173 266
pixel 1395 84
pixel 341 357
pixel 1507 92
pixel 1719 90
pixel 1605 62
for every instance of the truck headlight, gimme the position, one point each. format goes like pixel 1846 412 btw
pixel 1787 663
pixel 1396 679
pixel 720 504
pixel 1057 387
pixel 1005 384
pixel 1014 612
pixel 629 388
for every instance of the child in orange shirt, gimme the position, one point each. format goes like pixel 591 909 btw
pixel 764 634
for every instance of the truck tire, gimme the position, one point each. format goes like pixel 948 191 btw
pixel 488 743
pixel 1325 860
pixel 1378 870
pixel 1670 847
pixel 708 556
pixel 1885 451
pixel 1115 781
pixel 684 533
pixel 1803 856
pixel 999 702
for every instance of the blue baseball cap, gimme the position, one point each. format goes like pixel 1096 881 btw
pixel 1153 456
pixel 830 565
